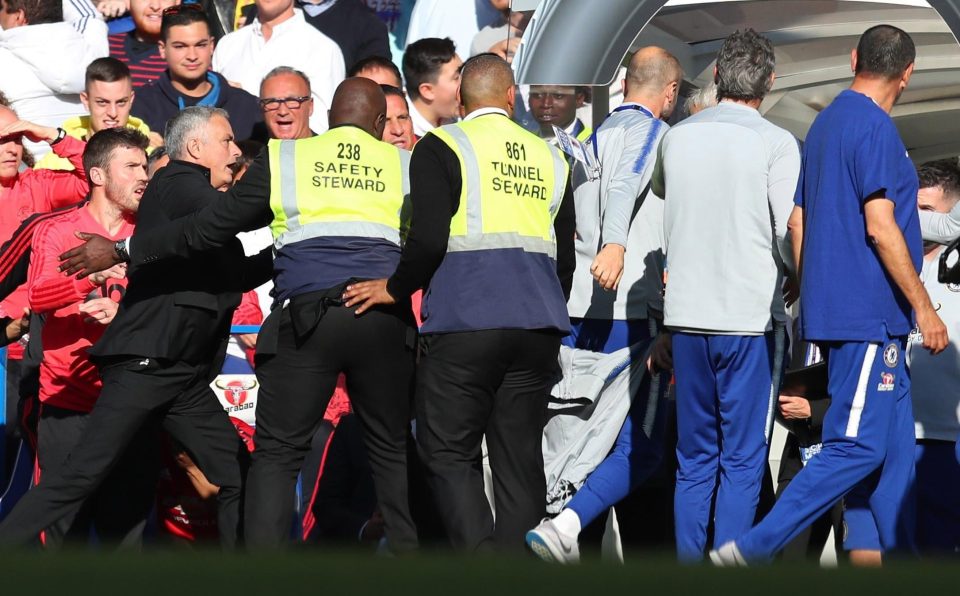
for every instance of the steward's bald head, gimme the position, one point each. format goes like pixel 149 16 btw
pixel 651 69
pixel 360 102
pixel 486 81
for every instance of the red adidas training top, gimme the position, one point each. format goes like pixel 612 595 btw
pixel 67 377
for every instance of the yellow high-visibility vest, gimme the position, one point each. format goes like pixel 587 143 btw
pixel 513 183
pixel 341 183
pixel 499 271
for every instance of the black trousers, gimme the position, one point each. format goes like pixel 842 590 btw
pixel 375 353
pixel 117 510
pixel 139 393
pixel 494 384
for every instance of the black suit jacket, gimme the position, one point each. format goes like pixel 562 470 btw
pixel 180 309
pixel 243 208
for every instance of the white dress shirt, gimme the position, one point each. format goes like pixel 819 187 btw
pixel 245 57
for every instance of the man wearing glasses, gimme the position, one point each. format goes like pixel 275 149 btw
pixel 186 44
pixel 287 103
pixel 333 203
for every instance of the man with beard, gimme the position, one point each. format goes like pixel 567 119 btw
pixel 166 344
pixel 76 315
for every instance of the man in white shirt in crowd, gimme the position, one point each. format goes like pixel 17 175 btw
pixel 281 36
pixel 41 85
pixel 431 70
pixel 459 20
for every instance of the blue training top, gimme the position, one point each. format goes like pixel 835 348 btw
pixel 853 151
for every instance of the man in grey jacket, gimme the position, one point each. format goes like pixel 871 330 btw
pixel 616 297
pixel 727 248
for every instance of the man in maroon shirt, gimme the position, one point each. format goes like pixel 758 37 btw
pixel 138 48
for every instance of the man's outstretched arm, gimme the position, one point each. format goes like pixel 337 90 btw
pixel 942 228
pixel 244 207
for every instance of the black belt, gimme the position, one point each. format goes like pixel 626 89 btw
pixel 306 310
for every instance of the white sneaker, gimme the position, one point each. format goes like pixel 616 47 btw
pixel 551 545
pixel 728 555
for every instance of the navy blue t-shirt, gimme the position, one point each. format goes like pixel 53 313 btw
pixel 852 152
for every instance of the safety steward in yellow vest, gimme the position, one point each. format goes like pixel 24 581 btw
pixel 337 202
pixel 491 239
pixel 334 203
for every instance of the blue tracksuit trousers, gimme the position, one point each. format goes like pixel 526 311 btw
pixel 727 388
pixel 637 453
pixel 868 452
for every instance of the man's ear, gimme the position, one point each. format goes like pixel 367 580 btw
pixel 97 176
pixel 426 91
pixel 163 49
pixel 85 100
pixel 194 147
pixel 21 19
pixel 378 125
pixel 905 79
pixel 511 99
pixel 853 60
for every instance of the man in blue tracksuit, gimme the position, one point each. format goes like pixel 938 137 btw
pixel 856 211
pixel 617 293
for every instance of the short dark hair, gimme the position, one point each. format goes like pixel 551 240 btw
pixel 37 12
pixel 943 173
pixel 423 60
pixel 885 51
pixel 102 144
pixel 744 66
pixel 106 70
pixel 373 63
pixel 182 18
pixel 391 90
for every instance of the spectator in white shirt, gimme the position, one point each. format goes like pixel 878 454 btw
pixel 42 63
pixel 459 20
pixel 280 36
pixel 431 70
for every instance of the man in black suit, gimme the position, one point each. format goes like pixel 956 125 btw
pixel 166 343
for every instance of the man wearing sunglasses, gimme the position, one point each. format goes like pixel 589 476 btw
pixel 186 43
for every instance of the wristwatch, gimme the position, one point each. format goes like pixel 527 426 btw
pixel 61 134
pixel 120 247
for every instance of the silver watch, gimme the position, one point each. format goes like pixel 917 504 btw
pixel 120 247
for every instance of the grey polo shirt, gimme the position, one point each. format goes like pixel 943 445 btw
pixel 728 179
